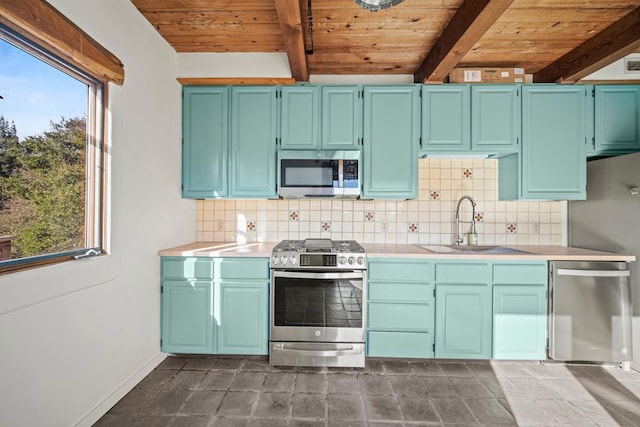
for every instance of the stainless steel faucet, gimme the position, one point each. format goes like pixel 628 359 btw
pixel 459 238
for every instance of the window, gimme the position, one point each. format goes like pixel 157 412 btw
pixel 51 154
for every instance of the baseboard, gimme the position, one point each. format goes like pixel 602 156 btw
pixel 125 387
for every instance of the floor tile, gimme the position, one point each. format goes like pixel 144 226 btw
pixel 239 403
pixel 526 411
pixel 248 381
pixel 119 420
pixel 345 407
pixel 375 385
pixel 256 364
pixel 173 362
pixel 229 422
pixel 343 423
pixel 418 409
pixel 203 364
pixel 409 386
pixel 342 383
pixel 453 411
pixel 398 367
pixel 428 368
pixel 273 405
pixel 490 412
pixel 510 370
pixel 279 381
pixel 530 388
pixel 216 380
pixel 202 402
pixel 454 369
pixel 306 423
pixel 309 405
pixel 563 412
pixel 191 421
pixel 267 422
pixel 186 380
pixel 471 388
pixel 229 364
pixel 134 402
pixel 438 387
pixel 381 408
pixel 374 366
pixel 158 378
pixel 167 402
pixel 311 383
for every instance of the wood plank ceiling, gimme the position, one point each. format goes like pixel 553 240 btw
pixel 556 40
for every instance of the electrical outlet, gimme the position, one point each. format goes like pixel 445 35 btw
pixel 219 225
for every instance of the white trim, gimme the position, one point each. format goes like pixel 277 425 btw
pixel 125 387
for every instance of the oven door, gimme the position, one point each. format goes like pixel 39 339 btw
pixel 318 306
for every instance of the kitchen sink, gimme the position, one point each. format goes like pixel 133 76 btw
pixel 470 249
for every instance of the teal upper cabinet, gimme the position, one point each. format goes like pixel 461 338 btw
pixel 391 139
pixel 253 141
pixel 341 117
pixel 205 134
pixel 445 118
pixel 300 117
pixel 495 118
pixel 617 119
pixel 553 142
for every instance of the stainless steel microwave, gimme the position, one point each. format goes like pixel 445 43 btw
pixel 319 174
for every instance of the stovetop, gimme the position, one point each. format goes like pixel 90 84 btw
pixel 319 245
pixel 319 254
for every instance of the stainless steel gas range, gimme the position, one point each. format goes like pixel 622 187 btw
pixel 318 303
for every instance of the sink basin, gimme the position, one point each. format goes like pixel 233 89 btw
pixel 470 249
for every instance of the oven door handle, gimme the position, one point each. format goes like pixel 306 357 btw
pixel 290 348
pixel 317 275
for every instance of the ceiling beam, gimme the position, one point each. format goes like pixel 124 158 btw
pixel 470 22
pixel 614 42
pixel 40 22
pixel 290 16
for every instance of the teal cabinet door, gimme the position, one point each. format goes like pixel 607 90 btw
pixel 187 316
pixel 300 118
pixel 253 142
pixel 463 321
pixel 205 141
pixel 243 324
pixel 446 118
pixel 341 117
pixel 495 118
pixel 391 138
pixel 617 119
pixel 519 322
pixel 400 309
pixel 554 142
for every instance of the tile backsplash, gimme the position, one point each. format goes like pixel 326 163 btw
pixel 430 219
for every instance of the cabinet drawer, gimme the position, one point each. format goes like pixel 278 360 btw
pixel 398 270
pixel 391 291
pixel 463 273
pixel 181 268
pixel 247 268
pixel 520 273
pixel 400 344
pixel 399 316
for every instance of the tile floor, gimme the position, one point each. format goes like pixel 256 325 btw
pixel 246 391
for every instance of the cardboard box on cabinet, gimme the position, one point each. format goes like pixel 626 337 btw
pixel 489 75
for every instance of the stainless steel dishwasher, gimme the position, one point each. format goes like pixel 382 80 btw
pixel 590 311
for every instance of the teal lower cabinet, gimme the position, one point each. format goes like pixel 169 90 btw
pixel 215 305
pixel 520 311
pixel 400 308
pixel 187 325
pixel 463 321
pixel 243 327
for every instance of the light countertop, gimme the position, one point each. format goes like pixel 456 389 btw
pixel 263 249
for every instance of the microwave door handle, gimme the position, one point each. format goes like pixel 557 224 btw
pixel 316 275
pixel 340 173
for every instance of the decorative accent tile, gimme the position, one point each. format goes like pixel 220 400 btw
pixel 479 217
pixel 325 226
pixel 294 216
pixel 512 228
pixel 251 226
pixel 467 173
pixel 434 194
pixel 413 228
pixel 369 216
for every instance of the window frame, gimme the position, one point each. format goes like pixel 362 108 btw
pixel 95 155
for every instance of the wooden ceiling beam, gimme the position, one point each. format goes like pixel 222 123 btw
pixel 470 22
pixel 38 21
pixel 614 42
pixel 290 15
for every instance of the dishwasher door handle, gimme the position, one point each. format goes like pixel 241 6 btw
pixel 593 273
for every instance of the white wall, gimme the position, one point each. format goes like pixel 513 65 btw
pixel 75 337
pixel 616 71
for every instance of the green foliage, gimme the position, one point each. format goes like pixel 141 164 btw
pixel 42 188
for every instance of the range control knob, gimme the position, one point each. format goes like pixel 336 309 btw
pixel 342 260
pixel 275 260
pixel 360 260
pixel 285 260
pixel 293 260
pixel 352 260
